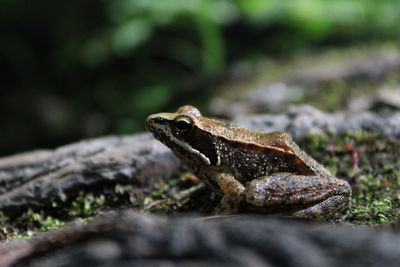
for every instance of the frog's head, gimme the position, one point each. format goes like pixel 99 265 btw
pixel 186 134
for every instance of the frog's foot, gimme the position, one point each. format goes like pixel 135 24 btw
pixel 348 208
pixel 322 210
pixel 300 196
pixel 229 204
pixel 233 196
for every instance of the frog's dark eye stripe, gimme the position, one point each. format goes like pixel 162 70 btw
pixel 183 124
pixel 186 146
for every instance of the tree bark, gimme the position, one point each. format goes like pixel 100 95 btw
pixel 31 178
pixel 134 239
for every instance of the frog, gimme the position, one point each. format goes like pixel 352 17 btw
pixel 251 170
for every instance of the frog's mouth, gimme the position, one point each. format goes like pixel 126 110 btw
pixel 161 129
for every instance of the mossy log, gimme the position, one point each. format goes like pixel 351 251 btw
pixel 32 178
pixel 134 239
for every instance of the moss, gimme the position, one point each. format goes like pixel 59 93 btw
pixel 371 210
pixel 85 205
pixel 53 215
pixel 32 221
pixel 332 96
pixel 367 160
pixel 167 198
pixel 370 162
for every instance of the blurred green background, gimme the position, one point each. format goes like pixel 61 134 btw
pixel 76 69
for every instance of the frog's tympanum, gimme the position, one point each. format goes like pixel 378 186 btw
pixel 263 172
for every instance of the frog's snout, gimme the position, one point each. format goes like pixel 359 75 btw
pixel 147 123
pixel 151 122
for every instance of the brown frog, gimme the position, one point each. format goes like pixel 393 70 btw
pixel 263 172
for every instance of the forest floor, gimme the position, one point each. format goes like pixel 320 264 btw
pixel 352 129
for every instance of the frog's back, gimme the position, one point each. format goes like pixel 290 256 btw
pixel 278 140
pixel 256 153
pixel 280 143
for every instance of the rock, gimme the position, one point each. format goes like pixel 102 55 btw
pixel 388 97
pixel 384 99
pixel 134 239
pixel 273 87
pixel 32 178
pixel 301 120
pixel 263 97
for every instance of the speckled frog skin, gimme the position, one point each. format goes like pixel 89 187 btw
pixel 263 172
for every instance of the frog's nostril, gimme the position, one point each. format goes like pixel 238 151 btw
pixel 153 120
pixel 159 120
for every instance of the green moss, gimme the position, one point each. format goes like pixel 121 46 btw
pixel 371 210
pixel 30 222
pixel 331 97
pixel 162 199
pixel 85 205
pixel 370 162
pixel 53 215
pixel 367 160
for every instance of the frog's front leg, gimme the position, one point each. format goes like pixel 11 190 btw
pixel 311 197
pixel 233 194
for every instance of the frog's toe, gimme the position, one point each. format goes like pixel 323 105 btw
pixel 324 209
pixel 229 204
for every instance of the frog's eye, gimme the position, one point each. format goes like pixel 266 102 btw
pixel 183 124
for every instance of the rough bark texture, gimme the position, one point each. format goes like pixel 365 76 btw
pixel 31 178
pixel 134 239
pixel 302 120
pixel 263 91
